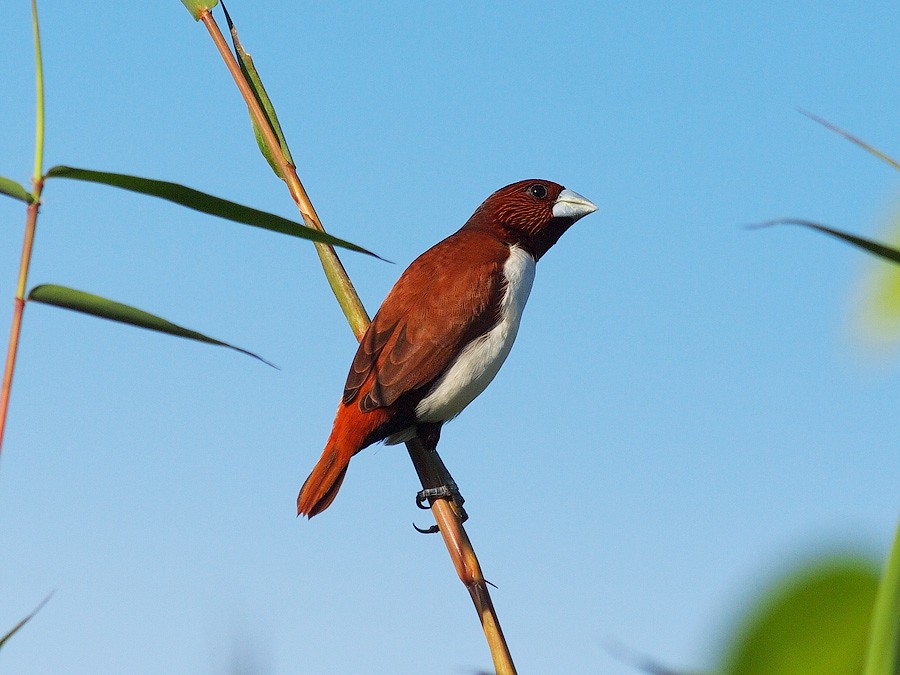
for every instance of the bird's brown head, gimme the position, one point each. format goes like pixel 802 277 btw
pixel 531 213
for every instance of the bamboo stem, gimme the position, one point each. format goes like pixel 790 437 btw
pixel 37 182
pixel 334 271
pixel 18 309
pixel 432 473
pixel 427 462
pixel 11 352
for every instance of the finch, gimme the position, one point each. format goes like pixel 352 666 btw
pixel 444 329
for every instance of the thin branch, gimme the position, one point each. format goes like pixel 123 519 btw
pixel 18 309
pixel 427 462
pixel 30 226
pixel 334 270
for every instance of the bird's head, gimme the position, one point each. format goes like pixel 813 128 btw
pixel 531 213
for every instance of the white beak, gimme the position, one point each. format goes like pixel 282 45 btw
pixel 572 205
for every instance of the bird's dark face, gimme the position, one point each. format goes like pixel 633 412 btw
pixel 533 213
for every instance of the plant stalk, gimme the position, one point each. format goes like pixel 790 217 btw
pixel 37 182
pixel 18 309
pixel 337 277
pixel 427 462
pixel 432 473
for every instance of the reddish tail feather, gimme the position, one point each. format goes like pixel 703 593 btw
pixel 352 432
pixel 323 483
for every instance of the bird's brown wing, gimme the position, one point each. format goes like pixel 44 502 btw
pixel 436 307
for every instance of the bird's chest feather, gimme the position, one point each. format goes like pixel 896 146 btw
pixel 479 361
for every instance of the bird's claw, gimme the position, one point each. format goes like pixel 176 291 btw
pixel 434 529
pixel 451 492
pixel 443 492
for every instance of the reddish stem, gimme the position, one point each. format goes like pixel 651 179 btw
pixel 18 307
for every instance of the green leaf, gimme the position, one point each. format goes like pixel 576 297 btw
pixel 95 305
pixel 12 189
pixel 24 621
pixel 850 137
pixel 883 657
pixel 873 247
pixel 814 622
pixel 38 100
pixel 206 203
pixel 253 78
pixel 879 311
pixel 197 7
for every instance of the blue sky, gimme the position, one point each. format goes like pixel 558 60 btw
pixel 688 410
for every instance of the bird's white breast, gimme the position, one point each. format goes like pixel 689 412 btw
pixel 479 361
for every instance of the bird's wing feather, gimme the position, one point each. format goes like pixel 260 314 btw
pixel 434 309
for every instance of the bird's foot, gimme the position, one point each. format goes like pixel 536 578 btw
pixel 449 491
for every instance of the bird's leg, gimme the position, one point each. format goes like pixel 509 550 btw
pixel 443 487
pixel 446 490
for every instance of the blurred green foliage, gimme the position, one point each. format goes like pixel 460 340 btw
pixel 815 621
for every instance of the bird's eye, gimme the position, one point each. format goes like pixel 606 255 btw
pixel 538 191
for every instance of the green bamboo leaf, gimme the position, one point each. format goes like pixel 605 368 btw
pixel 878 316
pixel 24 621
pixel 814 622
pixel 873 247
pixel 12 189
pixel 883 657
pixel 197 7
pixel 850 137
pixel 38 99
pixel 252 76
pixel 95 305
pixel 206 203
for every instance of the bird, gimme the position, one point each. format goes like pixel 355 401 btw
pixel 444 329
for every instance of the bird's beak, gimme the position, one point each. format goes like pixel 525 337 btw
pixel 572 205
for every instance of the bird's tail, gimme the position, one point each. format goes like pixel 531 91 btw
pixel 353 430
pixel 323 483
